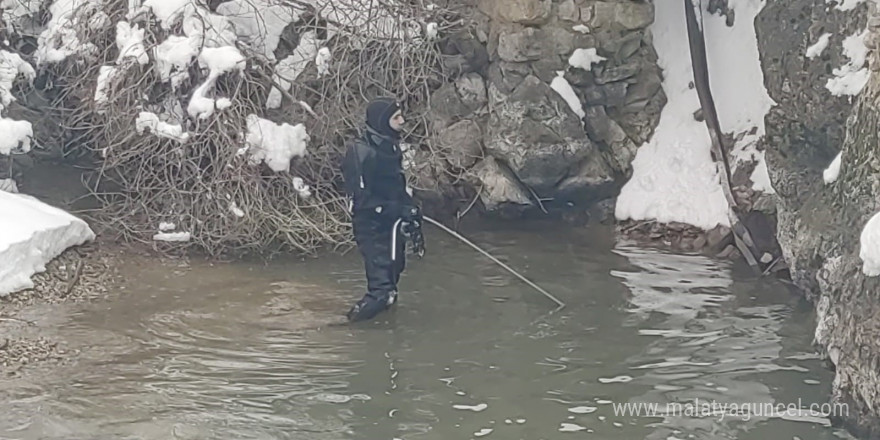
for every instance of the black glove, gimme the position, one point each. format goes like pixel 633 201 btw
pixel 412 228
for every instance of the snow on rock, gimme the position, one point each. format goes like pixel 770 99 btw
pixel 8 185
pixel 33 233
pixel 290 68
pixel 147 120
pixel 585 58
pixel 564 89
pixel 173 56
pixel 59 40
pixel 130 41
pixel 819 47
pixel 870 247
pixel 833 171
pixel 259 23
pixel 851 78
pixel 11 67
pixel 275 144
pixel 674 178
pixel 17 136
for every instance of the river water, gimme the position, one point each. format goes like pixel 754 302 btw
pixel 259 351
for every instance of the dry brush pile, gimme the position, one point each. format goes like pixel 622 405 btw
pixel 179 162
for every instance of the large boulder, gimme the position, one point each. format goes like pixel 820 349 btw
pixel 541 139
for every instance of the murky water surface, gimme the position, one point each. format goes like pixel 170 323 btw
pixel 252 351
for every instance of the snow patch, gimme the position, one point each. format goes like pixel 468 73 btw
pixel 17 136
pixel 322 61
pixel 564 89
pixel 219 60
pixel 172 236
pixel 301 188
pixel 173 56
pixel 130 41
pixel 32 234
pixel 105 75
pixel 819 47
pixel 870 247
pixel 12 66
pixel 833 171
pixel 674 178
pixel 147 120
pixel 582 28
pixel 275 144
pixel 852 77
pixel 59 40
pixel 259 23
pixel 431 31
pixel 585 58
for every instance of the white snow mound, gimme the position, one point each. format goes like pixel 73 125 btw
pixel 870 247
pixel 275 144
pixel 32 234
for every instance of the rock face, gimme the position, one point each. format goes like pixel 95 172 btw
pixel 534 126
pixel 819 224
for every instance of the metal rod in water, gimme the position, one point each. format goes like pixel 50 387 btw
pixel 517 274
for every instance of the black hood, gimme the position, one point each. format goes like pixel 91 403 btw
pixel 379 114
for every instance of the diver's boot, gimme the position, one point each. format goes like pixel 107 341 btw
pixel 367 308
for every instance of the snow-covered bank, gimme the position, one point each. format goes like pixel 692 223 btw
pixel 31 235
pixel 674 178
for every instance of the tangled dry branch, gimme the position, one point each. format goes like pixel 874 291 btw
pixel 206 186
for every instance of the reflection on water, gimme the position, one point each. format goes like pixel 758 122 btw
pixel 249 351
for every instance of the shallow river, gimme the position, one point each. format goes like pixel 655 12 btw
pixel 253 351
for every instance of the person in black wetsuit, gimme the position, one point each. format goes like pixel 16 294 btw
pixel 383 212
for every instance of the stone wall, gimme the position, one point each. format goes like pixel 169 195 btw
pixel 819 224
pixel 504 124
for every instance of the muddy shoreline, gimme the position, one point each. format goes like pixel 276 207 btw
pixel 81 274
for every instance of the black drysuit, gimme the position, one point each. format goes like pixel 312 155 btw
pixel 376 183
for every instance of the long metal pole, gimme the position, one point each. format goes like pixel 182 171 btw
pixel 500 263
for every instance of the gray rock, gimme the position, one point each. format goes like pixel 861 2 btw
pixel 472 90
pixel 606 74
pixel 499 187
pixel 527 12
pixel 505 77
pixel 647 85
pixel 461 144
pixel 569 11
pixel 601 128
pixel 537 135
pixel 627 15
pixel 619 48
pixel 447 107
pixel 520 44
